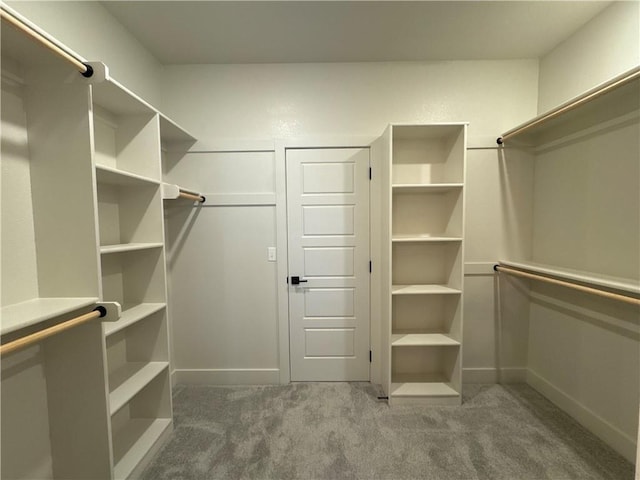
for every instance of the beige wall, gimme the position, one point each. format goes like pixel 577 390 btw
pixel 605 47
pixel 92 32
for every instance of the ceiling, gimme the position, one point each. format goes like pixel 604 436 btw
pixel 201 32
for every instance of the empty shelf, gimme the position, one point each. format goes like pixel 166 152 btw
pixel 128 380
pixel 132 315
pixel 113 176
pixel 425 188
pixel 31 312
pixel 132 442
pixel 423 389
pixel 424 237
pixel 128 247
pixel 423 290
pixel 422 339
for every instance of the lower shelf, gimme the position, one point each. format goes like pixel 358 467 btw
pixel 132 314
pixel 134 441
pixel 423 290
pixel 427 393
pixel 129 379
pixel 423 340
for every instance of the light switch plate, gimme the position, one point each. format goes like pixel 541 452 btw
pixel 271 254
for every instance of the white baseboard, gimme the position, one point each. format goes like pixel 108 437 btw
pixel 230 376
pixel 614 437
pixel 490 375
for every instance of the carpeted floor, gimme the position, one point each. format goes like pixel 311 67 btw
pixel 341 431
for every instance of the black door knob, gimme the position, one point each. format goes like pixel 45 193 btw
pixel 297 281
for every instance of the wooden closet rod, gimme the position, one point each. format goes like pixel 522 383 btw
pixel 606 88
pixel 191 196
pixel 575 286
pixel 36 337
pixel 85 69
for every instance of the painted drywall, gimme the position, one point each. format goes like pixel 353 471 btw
pixel 92 32
pixel 235 102
pixel 239 104
pixel 603 48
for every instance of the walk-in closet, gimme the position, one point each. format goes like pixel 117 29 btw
pixel 313 240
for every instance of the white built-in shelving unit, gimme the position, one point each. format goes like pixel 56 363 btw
pixel 571 177
pixel 54 407
pixel 82 222
pixel 129 140
pixel 424 230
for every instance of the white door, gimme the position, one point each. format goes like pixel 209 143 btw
pixel 328 223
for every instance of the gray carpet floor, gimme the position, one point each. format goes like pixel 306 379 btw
pixel 342 431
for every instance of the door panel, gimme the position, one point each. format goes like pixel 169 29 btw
pixel 328 233
pixel 339 342
pixel 327 178
pixel 329 261
pixel 329 302
pixel 328 220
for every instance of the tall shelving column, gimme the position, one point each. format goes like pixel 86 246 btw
pixel 425 271
pixel 127 164
pixel 54 407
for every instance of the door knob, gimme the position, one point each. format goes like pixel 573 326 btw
pixel 297 281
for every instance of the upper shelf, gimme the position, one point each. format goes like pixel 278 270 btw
pixel 31 312
pixel 403 188
pixel 171 134
pixel 606 102
pixel 113 176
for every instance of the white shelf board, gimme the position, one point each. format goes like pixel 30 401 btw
pixel 402 188
pixel 114 176
pixel 589 278
pixel 31 312
pixel 172 133
pixel 603 103
pixel 128 247
pixel 131 315
pixel 129 379
pixel 423 340
pixel 423 290
pixel 117 99
pixel 431 131
pixel 424 237
pixel 134 440
pixel 422 389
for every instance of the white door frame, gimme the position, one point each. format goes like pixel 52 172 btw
pixel 281 147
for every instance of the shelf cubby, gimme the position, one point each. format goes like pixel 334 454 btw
pixel 140 425
pixel 431 263
pixel 428 314
pixel 135 355
pixel 428 213
pixel 420 372
pixel 132 315
pixel 126 132
pixel 129 214
pixel 427 154
pixel 134 278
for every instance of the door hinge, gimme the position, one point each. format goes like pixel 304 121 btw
pixel 370 267
pixel 370 356
pixel 369 173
